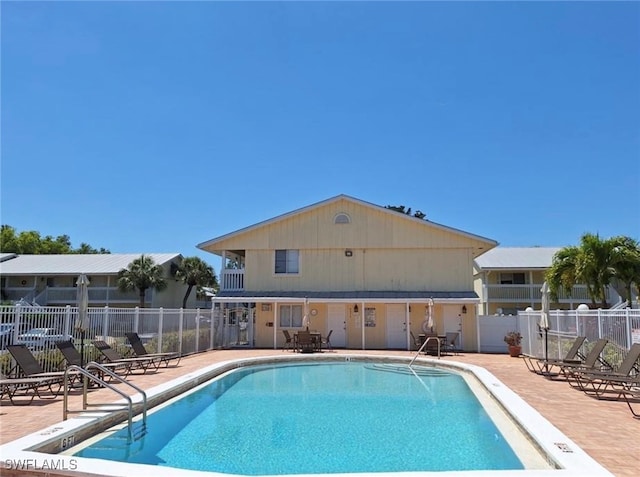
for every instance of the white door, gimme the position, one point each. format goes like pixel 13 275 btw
pixel 337 321
pixel 453 321
pixel 396 327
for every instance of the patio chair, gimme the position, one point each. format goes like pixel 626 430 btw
pixel 141 351
pixel 304 342
pixel 450 343
pixel 112 356
pixel 597 383
pixel 28 366
pixel 326 341
pixel 28 388
pixel 288 340
pixel 416 341
pixel 540 365
pixel 433 345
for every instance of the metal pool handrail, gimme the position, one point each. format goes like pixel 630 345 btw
pixel 425 344
pixel 90 376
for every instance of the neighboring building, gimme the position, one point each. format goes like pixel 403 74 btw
pixel 508 279
pixel 50 280
pixel 361 270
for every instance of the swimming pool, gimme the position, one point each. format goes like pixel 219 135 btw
pixel 311 418
pixel 528 433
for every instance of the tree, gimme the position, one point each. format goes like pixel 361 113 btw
pixel 400 208
pixel 141 274
pixel 195 272
pixel 31 242
pixel 592 263
pixel 627 265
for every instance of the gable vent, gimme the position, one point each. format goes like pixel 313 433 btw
pixel 342 219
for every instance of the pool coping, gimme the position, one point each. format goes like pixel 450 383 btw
pixel 41 451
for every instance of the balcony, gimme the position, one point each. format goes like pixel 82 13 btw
pixel 232 279
pixel 531 294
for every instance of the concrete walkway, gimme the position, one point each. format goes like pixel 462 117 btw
pixel 605 430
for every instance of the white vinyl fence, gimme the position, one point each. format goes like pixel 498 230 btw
pixel 183 331
pixel 620 327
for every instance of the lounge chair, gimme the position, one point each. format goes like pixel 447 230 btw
pixel 25 387
pixel 541 366
pixel 112 356
pixel 141 351
pixel 29 367
pixel 630 395
pixel 72 357
pixel 592 361
pixel 608 383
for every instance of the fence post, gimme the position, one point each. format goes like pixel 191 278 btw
pixel 197 330
pixel 160 319
pixel 67 321
pixel 627 315
pixel 211 330
pixel 599 324
pixel 136 320
pixel 180 331
pixel 17 320
pixel 105 323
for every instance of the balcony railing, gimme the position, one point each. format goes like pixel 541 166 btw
pixel 531 293
pixel 232 279
pixel 69 295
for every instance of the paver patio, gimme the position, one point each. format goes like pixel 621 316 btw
pixel 605 430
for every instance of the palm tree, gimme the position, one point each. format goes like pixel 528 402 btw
pixel 195 272
pixel 142 274
pixel 592 263
pixel 627 265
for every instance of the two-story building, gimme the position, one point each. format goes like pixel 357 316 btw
pixel 50 280
pixel 509 279
pixel 368 273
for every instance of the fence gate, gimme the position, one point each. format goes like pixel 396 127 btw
pixel 238 326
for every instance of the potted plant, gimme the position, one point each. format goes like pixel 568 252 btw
pixel 513 340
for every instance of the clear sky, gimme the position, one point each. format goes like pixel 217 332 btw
pixel 155 126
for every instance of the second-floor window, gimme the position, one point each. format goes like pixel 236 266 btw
pixel 287 261
pixel 512 279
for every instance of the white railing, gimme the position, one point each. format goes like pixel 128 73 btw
pixel 531 293
pixel 232 279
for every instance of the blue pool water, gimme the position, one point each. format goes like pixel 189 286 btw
pixel 320 418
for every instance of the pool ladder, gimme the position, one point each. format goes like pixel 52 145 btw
pixel 423 346
pixel 88 376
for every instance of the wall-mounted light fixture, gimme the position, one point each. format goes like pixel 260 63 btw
pixel 355 308
pixel 348 253
pixel 464 309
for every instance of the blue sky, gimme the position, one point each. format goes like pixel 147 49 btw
pixel 155 126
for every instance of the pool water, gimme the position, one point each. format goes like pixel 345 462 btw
pixel 320 418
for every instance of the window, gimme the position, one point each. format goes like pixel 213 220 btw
pixel 286 261
pixel 290 316
pixel 512 278
pixel 342 218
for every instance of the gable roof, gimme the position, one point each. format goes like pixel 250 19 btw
pixel 74 264
pixel 211 243
pixel 519 258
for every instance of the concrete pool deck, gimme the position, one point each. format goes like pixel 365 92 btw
pixel 605 430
